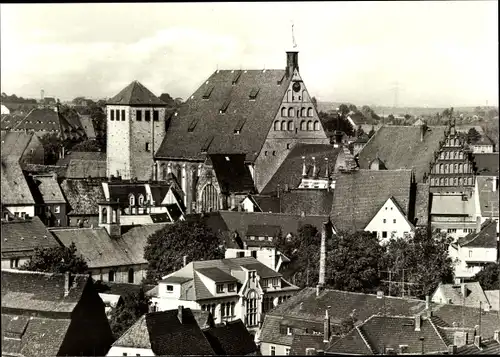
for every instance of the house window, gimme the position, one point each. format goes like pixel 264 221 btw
pixel 231 287
pixel 170 288
pixel 58 223
pixel 276 125
pixel 147 116
pixel 220 288
pixel 251 307
pixel 156 115
pixel 125 353
pixel 283 112
pixel 452 230
pixel 123 115
pixel 384 220
pixel 316 126
pixel 289 331
pixel 240 254
pixel 393 221
pixel 111 275
pixel 470 253
pixel 287 351
pixel 233 304
pixel 147 147
pixel 141 200
pixel 112 114
pixel 273 351
pixel 57 209
pixel 131 200
pixel 14 263
pixel 23 214
pixel 288 146
pixel 384 234
pixel 117 115
pixel 265 153
pixel 138 115
pixel 254 254
pixel 131 275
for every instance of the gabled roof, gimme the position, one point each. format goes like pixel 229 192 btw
pixel 303 341
pixel 486 164
pixel 488 199
pixel 452 205
pixel 232 174
pixel 136 94
pixel 307 201
pixel 49 189
pixel 486 238
pixel 221 118
pixel 79 169
pixel 83 196
pixel 15 189
pixel 266 203
pixel 40 292
pixel 100 250
pixel 399 147
pixel 489 347
pixel 231 338
pixel 263 230
pixel 382 332
pixel 14 144
pixel 81 155
pixel 137 336
pixel 217 275
pixel 87 126
pixel 353 343
pixel 359 195
pixel 452 294
pixel 45 121
pixel 422 204
pixel 290 171
pixel 21 237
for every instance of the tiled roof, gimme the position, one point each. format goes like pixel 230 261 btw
pixel 136 94
pixel 14 144
pixel 487 197
pixel 453 294
pixel 49 188
pixel 352 343
pixel 359 195
pixel 303 341
pixel 81 155
pixel 493 297
pixel 422 204
pixel 486 238
pixel 486 164
pixel 169 336
pixel 120 191
pixel 86 168
pixel 452 205
pixel 15 190
pixel 216 275
pixel 41 292
pixel 307 201
pixel 60 171
pixel 100 250
pixel 233 175
pixel 290 171
pixel 263 230
pixel 121 289
pixel 9 121
pixel 174 211
pixel 88 127
pixel 490 347
pixel 399 147
pixel 45 121
pixel 137 336
pixel 242 127
pixel 267 203
pixel 231 339
pixel 23 236
pixel 159 192
pixel 203 318
pixel 83 196
pixel 39 336
pixel 383 332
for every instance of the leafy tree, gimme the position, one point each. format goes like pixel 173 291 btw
pixel 407 116
pixel 167 99
pixel 489 277
pixel 165 248
pixel 314 101
pixel 57 260
pixel 473 136
pixel 425 261
pixel 353 108
pixel 360 131
pixel 124 315
pixel 353 262
pixel 344 109
pixel 52 145
pixel 332 122
pixel 372 132
pixel 346 325
pixel 88 145
pixel 390 117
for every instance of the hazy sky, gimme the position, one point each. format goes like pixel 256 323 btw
pixel 441 53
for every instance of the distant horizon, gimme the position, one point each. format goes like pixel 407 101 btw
pixel 397 54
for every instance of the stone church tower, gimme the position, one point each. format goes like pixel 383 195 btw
pixel 135 129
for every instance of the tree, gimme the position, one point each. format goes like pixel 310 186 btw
pixel 390 117
pixel 344 109
pixel 314 101
pixel 353 108
pixel 167 247
pixel 90 145
pixel 424 259
pixel 57 260
pixel 489 277
pixel 473 136
pixel 360 131
pixel 124 315
pixel 353 262
pixel 372 132
pixel 52 146
pixel 165 97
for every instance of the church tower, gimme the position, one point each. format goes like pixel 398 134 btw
pixel 135 129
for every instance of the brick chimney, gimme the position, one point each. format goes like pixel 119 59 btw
pixel 463 290
pixel 184 260
pixel 418 322
pixel 477 341
pixel 327 172
pixel 496 336
pixel 427 302
pixel 494 184
pixel 67 283
pixel 292 62
pixel 315 168
pixel 179 313
pixel 304 168
pixel 322 259
pixel 326 327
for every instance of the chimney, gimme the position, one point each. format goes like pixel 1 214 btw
pixel 179 313
pixel 233 201
pixel 292 62
pixel 184 260
pixel 327 172
pixel 315 168
pixel 494 182
pixel 452 350
pixel 496 336
pixel 477 341
pixel 326 327
pixel 304 168
pixel 463 290
pixel 423 129
pixel 310 351
pixel 318 290
pixel 418 322
pixel 67 283
pixel 478 224
pixel 427 302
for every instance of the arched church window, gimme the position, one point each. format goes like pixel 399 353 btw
pixel 316 125
pixel 209 198
pixel 276 125
pixel 303 125
pixel 310 112
pixel 441 168
pixel 310 125
pixel 460 182
pixel 455 168
pixel 303 112
pixel 283 125
pixel 460 168
pixel 290 125
pixel 251 307
pixel 283 112
pixel 290 112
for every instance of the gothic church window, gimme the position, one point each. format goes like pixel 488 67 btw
pixel 290 112
pixel 316 125
pixel 290 125
pixel 283 112
pixel 303 125
pixel 276 125
pixel 209 198
pixel 283 125
pixel 310 112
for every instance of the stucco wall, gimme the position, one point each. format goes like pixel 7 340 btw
pixel 120 351
pixel 280 350
pixel 118 143
pixel 121 273
pixel 6 263
pixel 29 210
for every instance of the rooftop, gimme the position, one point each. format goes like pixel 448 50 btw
pixel 486 164
pixel 83 196
pixel 15 190
pixel 136 94
pixel 231 338
pixel 486 238
pixel 488 198
pixel 452 294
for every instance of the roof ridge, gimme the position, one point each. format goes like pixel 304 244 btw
pixel 364 338
pixel 443 337
pixel 18 271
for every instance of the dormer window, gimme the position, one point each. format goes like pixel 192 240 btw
pixel 170 288
pixel 131 200
pixel 231 287
pixel 220 288
pixel 141 200
pixel 253 93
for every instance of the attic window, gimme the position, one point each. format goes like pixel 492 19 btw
pixel 237 76
pixel 253 93
pixel 224 106
pixel 239 125
pixel 208 91
pixel 206 144
pixel 192 125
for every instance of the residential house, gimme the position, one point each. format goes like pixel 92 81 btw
pixel 453 213
pixel 183 331
pixel 26 148
pixel 260 203
pixel 252 117
pixel 464 294
pixel 83 196
pixel 484 145
pixel 359 144
pixel 16 194
pixel 238 288
pixel 20 237
pixel 50 204
pixel 44 314
pixel 486 198
pixel 475 250
pixel 111 257
pixel 376 201
pixel 403 147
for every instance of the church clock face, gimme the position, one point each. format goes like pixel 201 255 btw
pixel 296 87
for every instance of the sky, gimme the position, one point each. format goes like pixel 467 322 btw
pixel 417 53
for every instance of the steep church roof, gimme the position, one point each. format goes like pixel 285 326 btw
pixel 230 113
pixel 136 94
